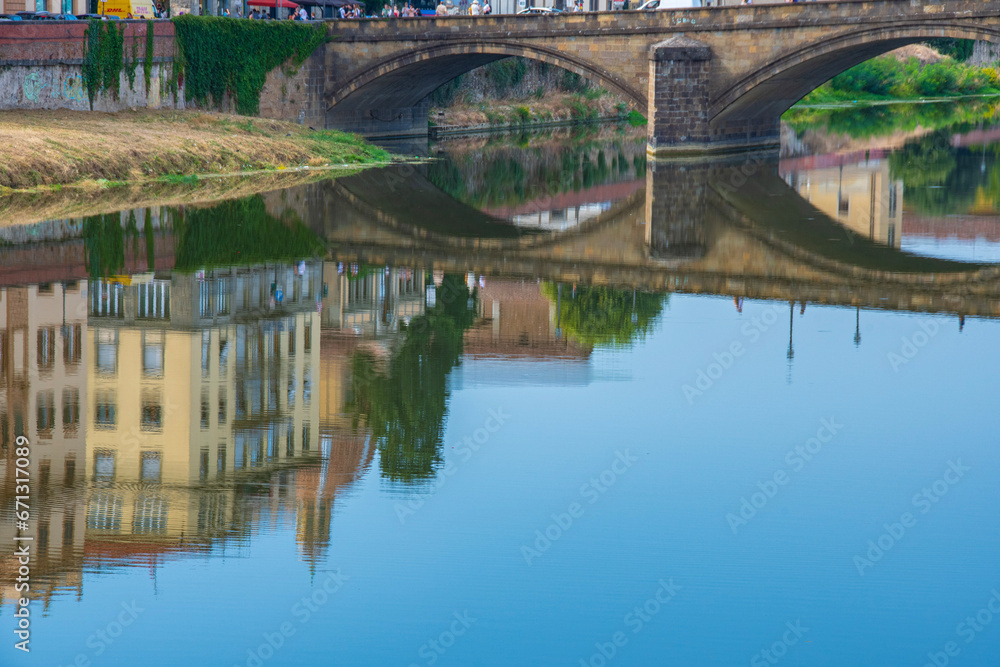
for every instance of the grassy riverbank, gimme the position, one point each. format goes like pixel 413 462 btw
pixel 46 149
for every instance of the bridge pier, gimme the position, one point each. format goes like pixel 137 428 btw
pixel 679 118
pixel 676 229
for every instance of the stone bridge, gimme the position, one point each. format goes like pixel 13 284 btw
pixel 707 79
pixel 732 228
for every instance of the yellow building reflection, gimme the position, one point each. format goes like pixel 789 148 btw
pixel 858 193
pixel 43 380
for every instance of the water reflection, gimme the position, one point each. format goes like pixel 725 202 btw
pixel 189 386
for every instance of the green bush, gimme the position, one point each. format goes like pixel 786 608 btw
pixel 877 76
pixel 523 114
pixel 937 79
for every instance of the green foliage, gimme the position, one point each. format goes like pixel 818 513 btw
pixel 506 74
pixel 239 231
pixel 876 76
pixel 636 119
pixel 103 58
pixel 572 82
pixel 938 79
pixel 220 56
pixel 404 401
pixel 445 95
pixel 104 244
pixel 885 77
pixel 959 49
pixel 523 114
pixel 130 63
pixel 147 61
pixel 605 316
pixel 863 121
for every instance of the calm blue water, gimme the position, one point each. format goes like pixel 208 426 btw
pixel 505 468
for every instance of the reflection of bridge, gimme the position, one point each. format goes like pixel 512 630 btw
pixel 708 78
pixel 695 228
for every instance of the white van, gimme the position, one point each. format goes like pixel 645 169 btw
pixel 674 4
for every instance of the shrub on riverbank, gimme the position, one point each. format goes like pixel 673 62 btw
pixel 886 77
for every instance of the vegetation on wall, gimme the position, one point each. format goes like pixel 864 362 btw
pixel 103 59
pixel 147 63
pixel 219 58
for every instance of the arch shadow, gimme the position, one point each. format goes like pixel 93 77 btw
pixel 405 80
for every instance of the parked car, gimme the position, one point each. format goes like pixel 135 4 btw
pixel 10 17
pixel 65 17
pixel 545 11
pixel 36 16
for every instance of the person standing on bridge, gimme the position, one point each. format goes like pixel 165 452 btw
pixel 441 10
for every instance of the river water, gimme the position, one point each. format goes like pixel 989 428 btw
pixel 537 401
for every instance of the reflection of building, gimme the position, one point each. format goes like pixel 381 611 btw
pixel 520 324
pixel 371 302
pixel 42 384
pixel 201 379
pixel 861 196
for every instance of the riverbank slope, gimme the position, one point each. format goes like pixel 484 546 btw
pixel 56 148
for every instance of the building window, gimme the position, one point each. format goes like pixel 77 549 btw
pixel 104 512
pixel 203 464
pixel 206 343
pixel 105 409
pixel 69 476
pixel 305 438
pixel 151 417
pixel 150 467
pixel 223 353
pixel 46 413
pixel 104 465
pixel 107 352
pixel 153 345
pixel 291 340
pixel 46 348
pixel 222 297
pixel 221 459
pixel 150 516
pixel 153 300
pixel 204 408
pixel 222 405
pixel 307 343
pixel 892 202
pixel 307 385
pixel 891 236
pixel 72 344
pixel 70 411
pixel 204 300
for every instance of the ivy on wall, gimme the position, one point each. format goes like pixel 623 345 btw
pixel 103 58
pixel 218 57
pixel 147 63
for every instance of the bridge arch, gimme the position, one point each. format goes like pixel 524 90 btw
pixel 404 80
pixel 773 88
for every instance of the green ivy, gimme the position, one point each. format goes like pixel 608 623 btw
pixel 147 63
pixel 103 58
pixel 218 57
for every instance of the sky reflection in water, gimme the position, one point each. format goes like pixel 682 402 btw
pixel 683 429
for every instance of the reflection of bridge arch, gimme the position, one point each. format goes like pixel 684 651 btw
pixel 771 89
pixel 403 80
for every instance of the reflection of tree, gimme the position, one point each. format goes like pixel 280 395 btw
pixel 605 316
pixel 864 121
pixel 236 232
pixel 104 241
pixel 508 173
pixel 403 401
pixel 939 179
pixel 239 231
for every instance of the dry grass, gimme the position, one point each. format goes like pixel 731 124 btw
pixel 50 148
